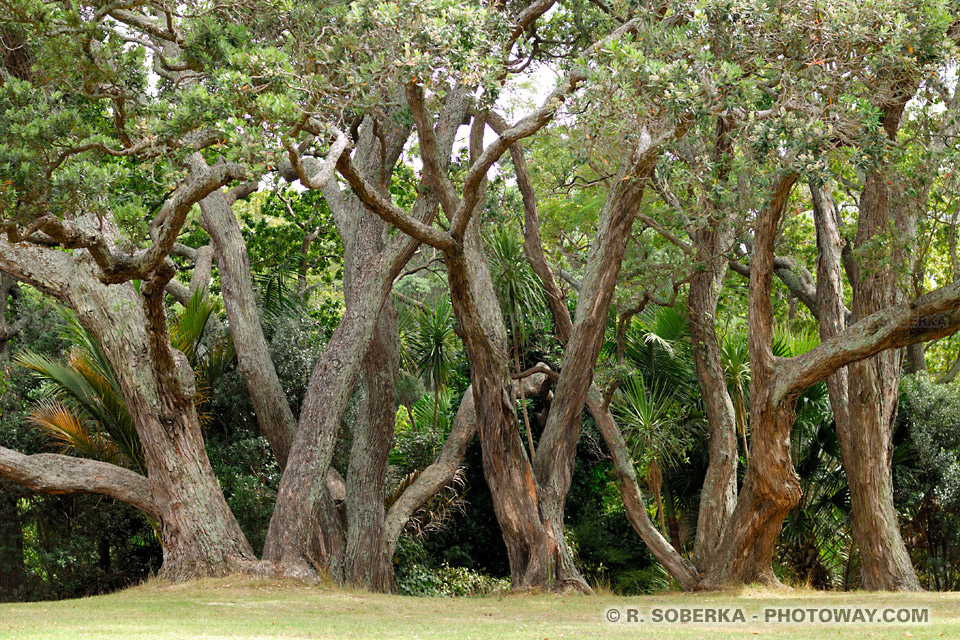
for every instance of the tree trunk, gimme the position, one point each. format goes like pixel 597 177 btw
pixel 199 534
pixel 274 416
pixel 916 359
pixel 771 487
pixel 866 437
pixel 9 292
pixel 505 465
pixel 718 497
pixel 556 453
pixel 368 561
pixel 372 260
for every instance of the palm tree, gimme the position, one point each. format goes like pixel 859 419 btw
pixel 83 409
pixel 435 347
pixel 521 299
pixel 649 418
pixel 735 359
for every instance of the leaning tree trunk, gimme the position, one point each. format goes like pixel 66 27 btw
pixel 505 465
pixel 273 412
pixel 718 496
pixel 662 550
pixel 556 453
pixel 199 534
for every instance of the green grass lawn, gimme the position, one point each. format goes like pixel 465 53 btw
pixel 244 608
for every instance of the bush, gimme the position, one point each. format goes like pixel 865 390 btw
pixel 416 578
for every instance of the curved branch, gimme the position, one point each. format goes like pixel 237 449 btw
pixel 58 474
pixel 383 207
pixel 929 317
pixel 438 475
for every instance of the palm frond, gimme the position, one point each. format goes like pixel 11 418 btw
pixel 76 434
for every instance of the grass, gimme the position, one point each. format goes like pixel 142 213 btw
pixel 242 608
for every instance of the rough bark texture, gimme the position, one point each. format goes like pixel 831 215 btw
pixel 368 561
pixel 58 474
pixel 505 464
pixel 771 487
pixel 865 438
pixel 556 452
pixel 864 395
pixel 718 496
pixel 9 292
pixel 199 534
pixel 274 416
pixel 373 259
pixel 661 549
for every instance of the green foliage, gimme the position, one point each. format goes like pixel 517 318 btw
pixel 517 287
pixel 417 579
pixel 83 409
pixel 927 478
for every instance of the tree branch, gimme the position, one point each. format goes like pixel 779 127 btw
pixel 58 474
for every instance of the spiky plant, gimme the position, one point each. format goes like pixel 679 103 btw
pixel 735 360
pixel 521 300
pixel 83 409
pixel 435 348
pixel 437 511
pixel 648 417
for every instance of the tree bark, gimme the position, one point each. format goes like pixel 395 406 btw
pixel 718 496
pixel 65 475
pixel 368 560
pixel 771 487
pixel 9 292
pixel 199 534
pixel 556 453
pixel 866 439
pixel 505 466
pixel 274 416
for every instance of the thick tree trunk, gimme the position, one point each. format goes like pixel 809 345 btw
pixel 505 464
pixel 866 437
pixel 372 260
pixel 556 453
pixel 718 497
pixel 916 359
pixel 274 416
pixel 368 561
pixel 290 539
pixel 9 292
pixel 199 534
pixel 771 487
pixel 864 395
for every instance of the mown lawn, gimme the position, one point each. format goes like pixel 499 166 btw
pixel 241 608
